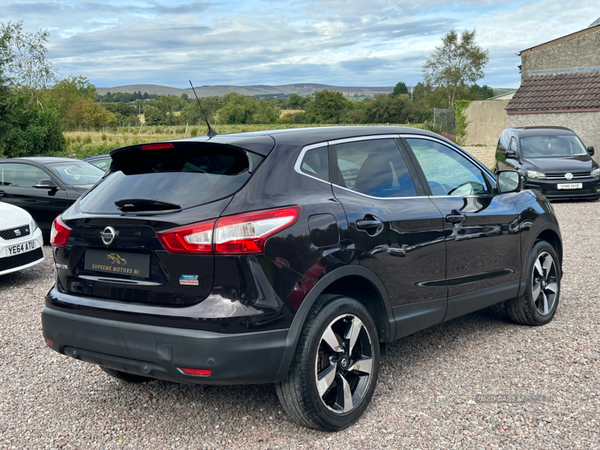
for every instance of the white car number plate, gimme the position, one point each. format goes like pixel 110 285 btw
pixel 570 186
pixel 21 248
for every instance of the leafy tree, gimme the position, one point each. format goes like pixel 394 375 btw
pixel 125 113
pixel 458 61
pixel 191 114
pixel 327 107
pixel 247 110
pixel 65 93
pixel 85 113
pixel 296 101
pixel 399 89
pixel 24 56
pixel 154 116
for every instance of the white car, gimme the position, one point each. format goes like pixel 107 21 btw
pixel 20 239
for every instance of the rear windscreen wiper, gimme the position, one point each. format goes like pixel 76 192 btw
pixel 145 204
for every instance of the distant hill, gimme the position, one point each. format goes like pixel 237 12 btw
pixel 220 90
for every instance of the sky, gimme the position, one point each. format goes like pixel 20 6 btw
pixel 248 42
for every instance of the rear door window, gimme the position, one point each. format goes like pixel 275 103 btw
pixel 169 179
pixel 375 168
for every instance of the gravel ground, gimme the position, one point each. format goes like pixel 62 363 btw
pixel 475 382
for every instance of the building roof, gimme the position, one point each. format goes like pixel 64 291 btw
pixel 562 92
pixel 593 28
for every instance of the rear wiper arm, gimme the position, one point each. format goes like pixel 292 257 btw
pixel 144 204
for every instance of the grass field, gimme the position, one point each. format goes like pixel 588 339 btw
pixel 83 144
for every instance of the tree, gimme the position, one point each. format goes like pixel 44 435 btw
pixel 458 61
pixel 248 110
pixel 65 93
pixel 327 107
pixel 399 89
pixel 24 56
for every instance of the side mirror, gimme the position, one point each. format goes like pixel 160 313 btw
pixel 509 181
pixel 510 154
pixel 46 184
pixel 590 150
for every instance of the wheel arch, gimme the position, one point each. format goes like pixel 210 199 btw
pixel 549 233
pixel 354 281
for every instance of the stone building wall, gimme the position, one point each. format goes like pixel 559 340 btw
pixel 585 124
pixel 564 53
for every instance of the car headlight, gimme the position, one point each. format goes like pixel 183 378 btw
pixel 595 172
pixel 536 175
pixel 33 226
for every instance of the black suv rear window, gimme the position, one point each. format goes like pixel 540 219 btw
pixel 167 179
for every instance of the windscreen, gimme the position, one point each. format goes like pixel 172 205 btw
pixel 551 145
pixel 167 180
pixel 76 173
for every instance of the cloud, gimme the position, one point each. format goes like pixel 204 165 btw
pixel 344 42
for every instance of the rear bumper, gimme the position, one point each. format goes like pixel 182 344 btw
pixel 160 352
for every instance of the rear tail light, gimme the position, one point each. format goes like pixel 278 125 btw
pixel 243 234
pixel 190 239
pixel 59 235
pixel 247 233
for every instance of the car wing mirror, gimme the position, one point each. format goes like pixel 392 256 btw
pixel 590 150
pixel 46 184
pixel 510 154
pixel 509 181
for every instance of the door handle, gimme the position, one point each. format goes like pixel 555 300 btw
pixel 455 217
pixel 1 193
pixel 368 224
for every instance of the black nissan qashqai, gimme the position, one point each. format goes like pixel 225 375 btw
pixel 292 257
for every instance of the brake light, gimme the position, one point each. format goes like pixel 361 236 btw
pixel 243 234
pixel 157 146
pixel 197 238
pixel 59 235
pixel 247 233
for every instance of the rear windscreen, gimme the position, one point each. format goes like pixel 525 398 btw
pixel 169 179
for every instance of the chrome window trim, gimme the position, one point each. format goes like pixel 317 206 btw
pixel 364 138
pixel 377 198
pixel 297 166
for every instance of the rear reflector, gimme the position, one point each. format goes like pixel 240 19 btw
pixel 49 342
pixel 243 234
pixel 59 235
pixel 157 146
pixel 203 372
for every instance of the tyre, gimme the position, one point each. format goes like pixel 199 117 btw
pixel 334 371
pixel 543 273
pixel 124 376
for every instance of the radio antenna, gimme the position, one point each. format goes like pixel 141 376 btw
pixel 211 132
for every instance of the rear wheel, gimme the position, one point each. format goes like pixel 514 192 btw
pixel 334 372
pixel 538 304
pixel 124 376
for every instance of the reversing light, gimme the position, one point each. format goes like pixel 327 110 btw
pixel 59 234
pixel 157 146
pixel 202 372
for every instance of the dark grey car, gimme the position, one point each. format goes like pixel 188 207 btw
pixel 552 160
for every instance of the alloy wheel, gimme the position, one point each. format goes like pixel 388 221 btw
pixel 344 365
pixel 544 285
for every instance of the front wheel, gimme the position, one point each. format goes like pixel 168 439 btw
pixel 334 371
pixel 543 273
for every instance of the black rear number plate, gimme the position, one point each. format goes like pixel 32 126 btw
pixel 117 263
